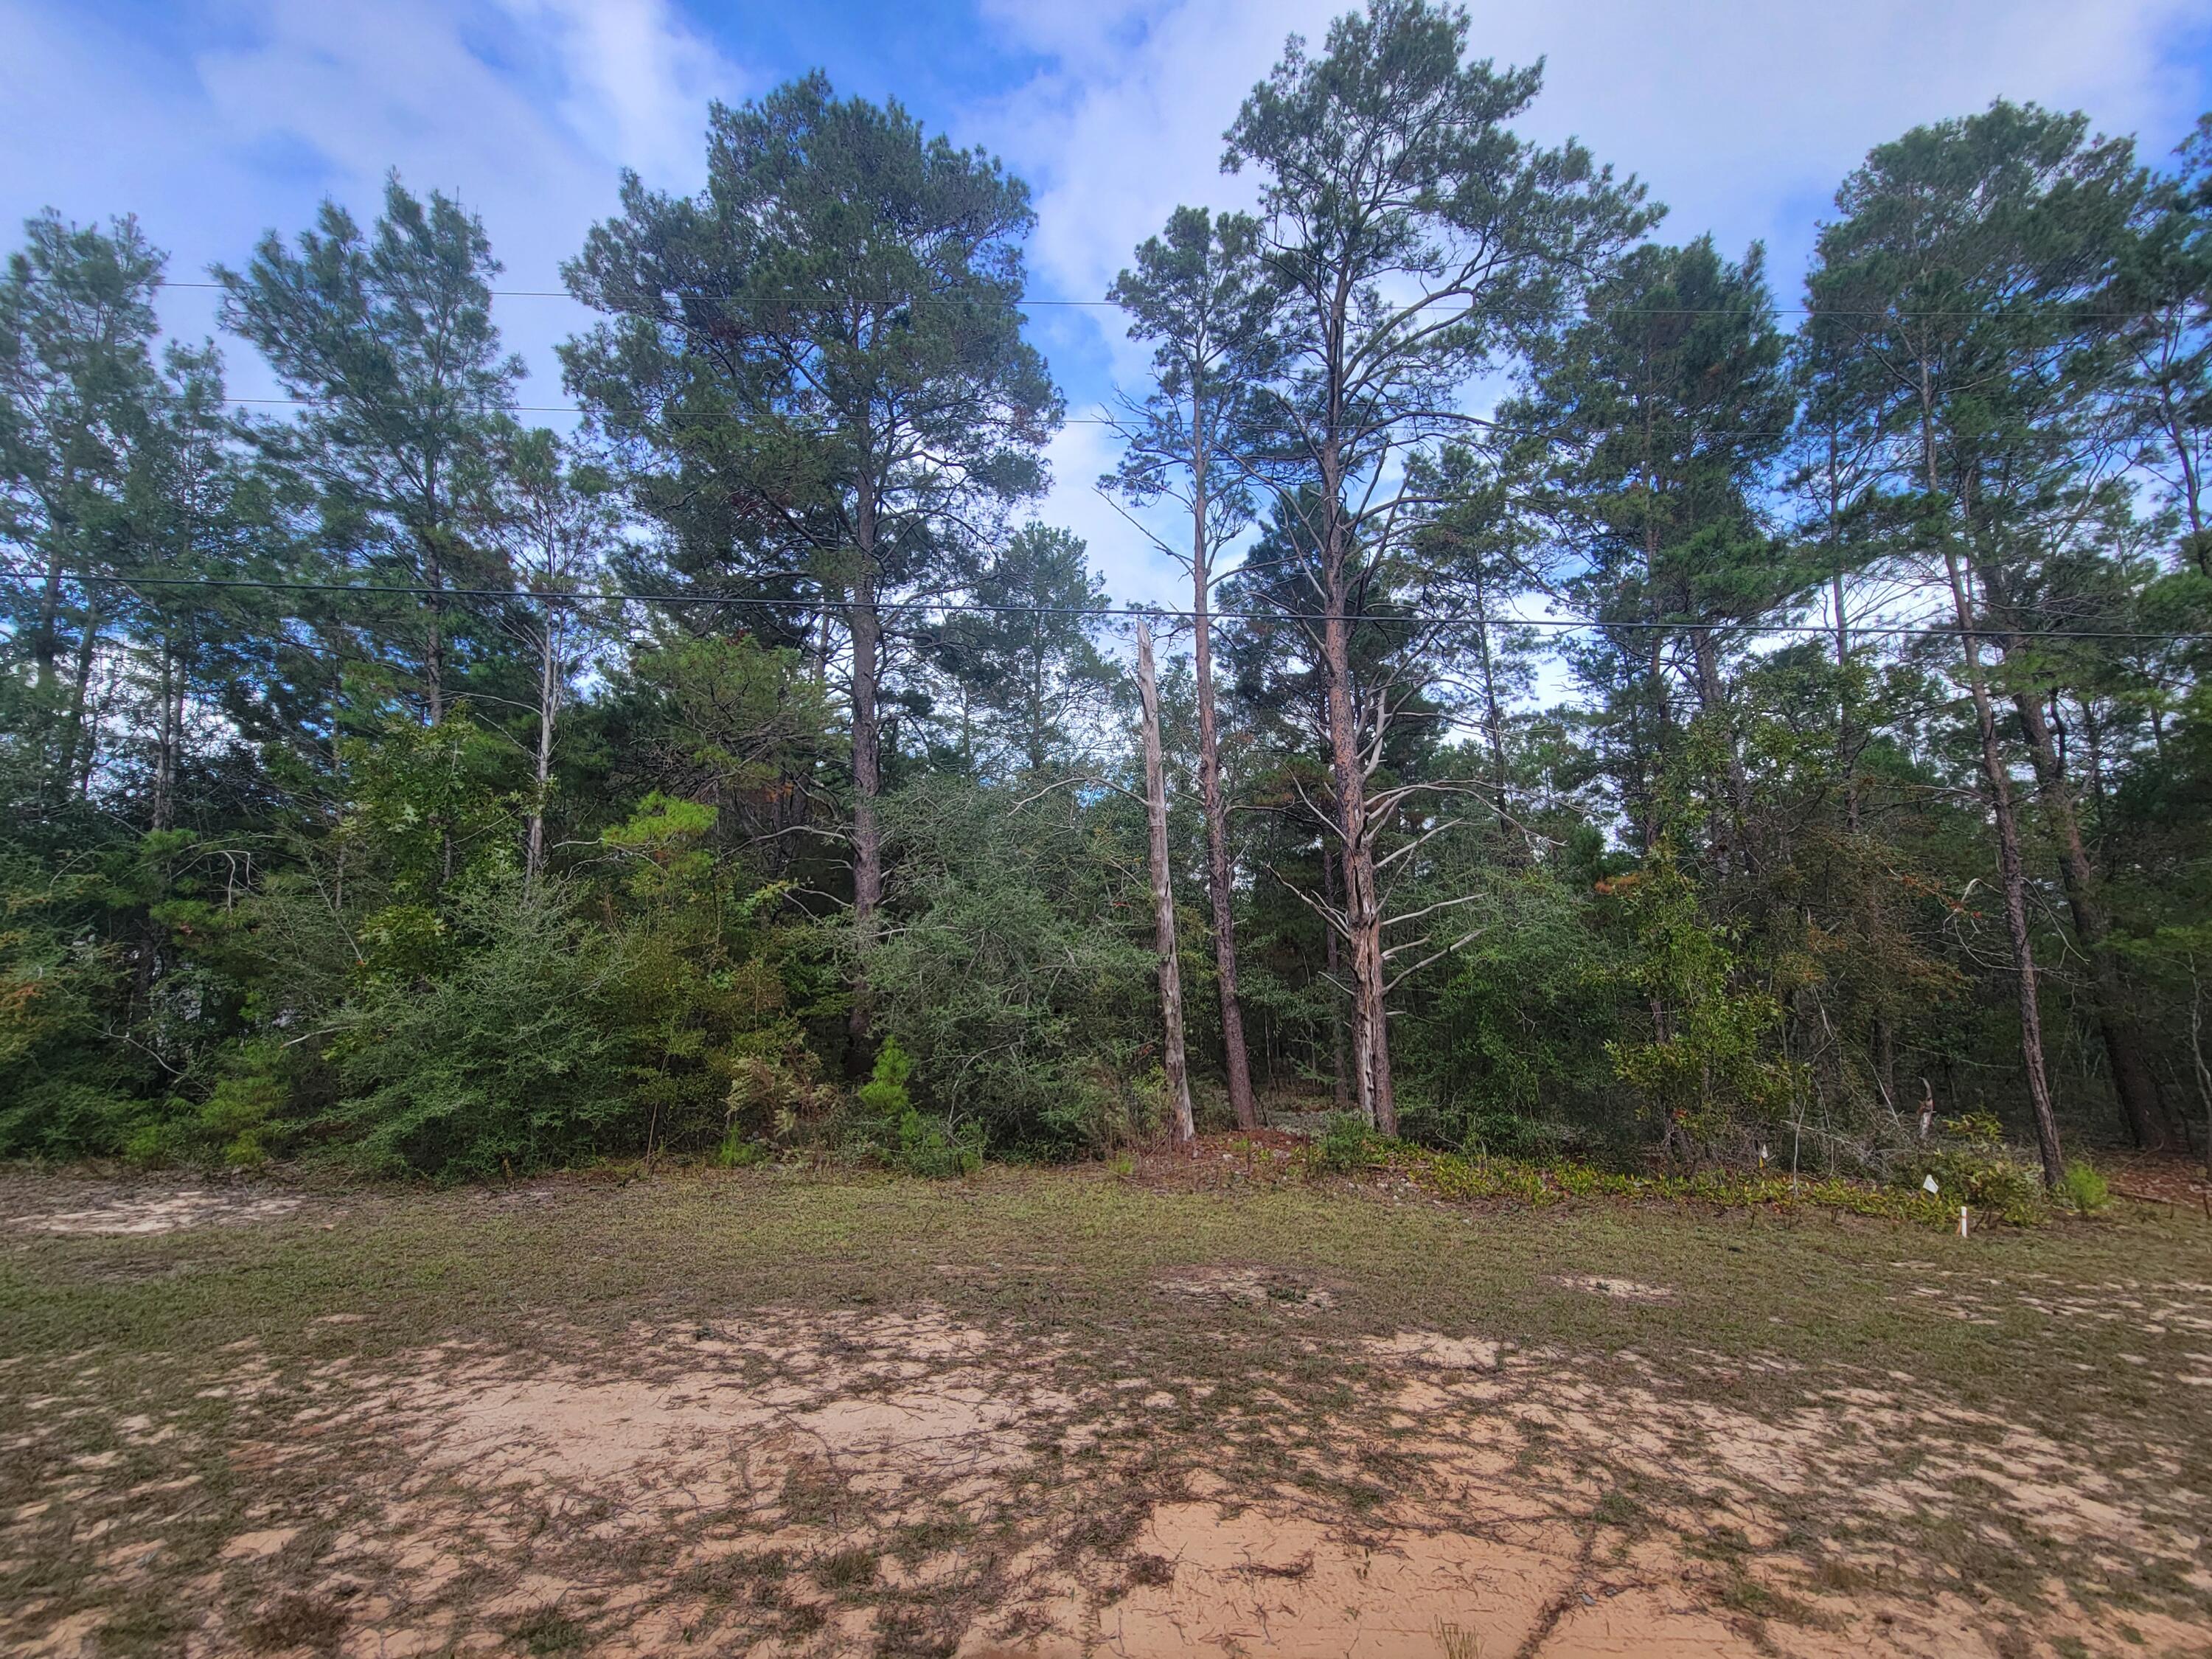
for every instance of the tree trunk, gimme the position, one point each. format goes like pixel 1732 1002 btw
pixel 168 738
pixel 2013 878
pixel 2011 875
pixel 2132 1085
pixel 80 753
pixel 1363 915
pixel 1237 1063
pixel 1156 823
pixel 549 689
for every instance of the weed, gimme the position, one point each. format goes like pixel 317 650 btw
pixel 548 1631
pixel 1840 1576
pixel 297 1621
pixel 1348 1145
pixel 1151 1569
pixel 1616 1509
pixel 2085 1191
pixel 847 1569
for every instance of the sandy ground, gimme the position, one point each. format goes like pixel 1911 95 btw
pixel 900 1482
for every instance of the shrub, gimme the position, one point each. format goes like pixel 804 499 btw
pixel 917 1144
pixel 1986 1178
pixel 2084 1190
pixel 1348 1145
pixel 502 1062
pixel 1015 978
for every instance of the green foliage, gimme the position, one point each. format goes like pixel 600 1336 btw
pixel 262 890
pixel 1015 981
pixel 1707 1063
pixel 1972 1165
pixel 1518 1045
pixel 2084 1190
pixel 1348 1144
pixel 919 1145
pixel 501 1064
pixel 884 1094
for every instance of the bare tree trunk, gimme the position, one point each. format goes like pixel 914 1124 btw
pixel 1712 700
pixel 1237 1063
pixel 1362 912
pixel 168 731
pixel 80 752
pixel 2012 877
pixel 2132 1085
pixel 548 692
pixel 1156 822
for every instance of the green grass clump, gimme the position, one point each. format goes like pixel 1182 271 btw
pixel 2084 1190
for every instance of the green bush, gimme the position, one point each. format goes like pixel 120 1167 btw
pixel 1015 978
pixel 2084 1190
pixel 911 1141
pixel 1983 1176
pixel 502 1063
pixel 1347 1145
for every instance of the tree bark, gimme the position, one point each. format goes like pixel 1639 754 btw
pixel 80 751
pixel 1172 1057
pixel 549 690
pixel 1362 911
pixel 169 737
pixel 2012 878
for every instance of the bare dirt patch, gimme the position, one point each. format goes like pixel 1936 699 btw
pixel 129 1213
pixel 1253 1286
pixel 1620 1290
pixel 803 1483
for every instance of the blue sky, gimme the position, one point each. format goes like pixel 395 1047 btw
pixel 214 119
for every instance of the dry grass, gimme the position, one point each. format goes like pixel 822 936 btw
pixel 1055 1412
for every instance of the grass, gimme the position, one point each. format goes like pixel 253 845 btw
pixel 1770 1302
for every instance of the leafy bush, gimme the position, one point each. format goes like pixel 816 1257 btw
pixel 2084 1190
pixel 1987 1178
pixel 63 1092
pixel 504 1062
pixel 1347 1145
pixel 1026 1003
pixel 918 1145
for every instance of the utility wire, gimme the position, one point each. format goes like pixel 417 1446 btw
pixel 1824 630
pixel 1066 420
pixel 763 301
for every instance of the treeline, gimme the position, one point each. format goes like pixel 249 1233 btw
pixel 1765 726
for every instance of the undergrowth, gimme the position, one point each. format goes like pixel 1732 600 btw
pixel 1348 1147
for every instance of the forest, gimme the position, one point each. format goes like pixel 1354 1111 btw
pixel 1623 710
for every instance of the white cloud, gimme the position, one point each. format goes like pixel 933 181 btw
pixel 637 80
pixel 526 109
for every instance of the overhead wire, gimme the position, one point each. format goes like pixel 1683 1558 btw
pixel 766 299
pixel 1161 613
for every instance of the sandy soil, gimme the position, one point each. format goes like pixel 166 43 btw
pixel 903 1483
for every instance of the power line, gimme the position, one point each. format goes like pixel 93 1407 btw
pixel 1066 420
pixel 766 300
pixel 957 607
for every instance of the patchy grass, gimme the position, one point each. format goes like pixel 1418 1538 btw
pixel 826 1414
